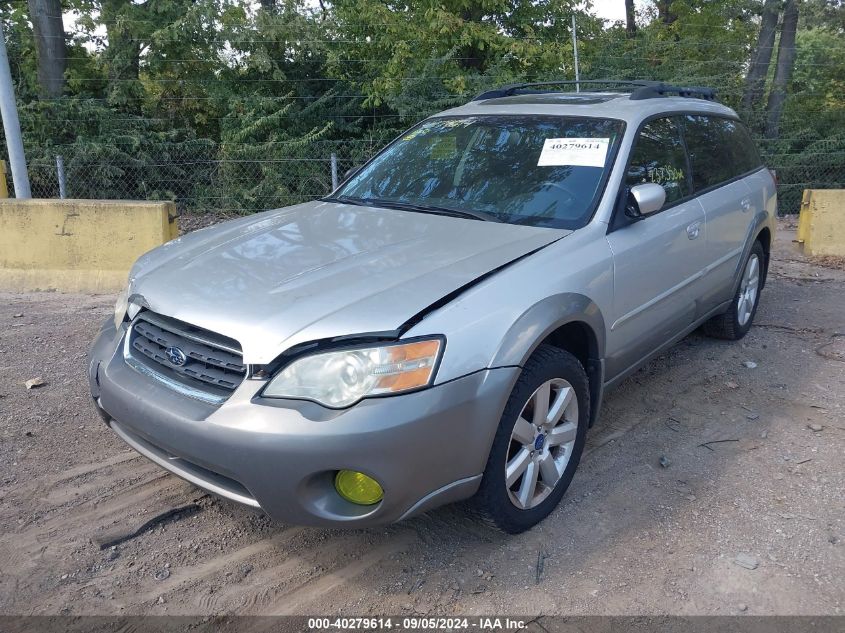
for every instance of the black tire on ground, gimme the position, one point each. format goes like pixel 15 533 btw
pixel 727 326
pixel 492 501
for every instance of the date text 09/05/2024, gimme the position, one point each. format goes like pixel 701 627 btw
pixel 417 624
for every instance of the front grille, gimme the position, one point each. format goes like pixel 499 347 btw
pixel 213 365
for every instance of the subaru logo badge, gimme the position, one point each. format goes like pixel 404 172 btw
pixel 176 356
pixel 539 441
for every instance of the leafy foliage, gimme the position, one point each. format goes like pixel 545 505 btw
pixel 221 104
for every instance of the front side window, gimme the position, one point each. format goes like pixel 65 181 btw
pixel 659 157
pixel 720 149
pixel 534 170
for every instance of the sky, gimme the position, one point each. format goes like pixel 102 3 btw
pixel 612 9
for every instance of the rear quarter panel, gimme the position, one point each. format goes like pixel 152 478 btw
pixel 764 195
pixel 764 199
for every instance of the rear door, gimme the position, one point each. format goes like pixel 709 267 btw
pixel 721 153
pixel 657 261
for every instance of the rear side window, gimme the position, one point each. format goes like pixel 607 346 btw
pixel 747 156
pixel 658 156
pixel 719 149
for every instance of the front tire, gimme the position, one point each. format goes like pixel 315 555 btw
pixel 539 442
pixel 735 323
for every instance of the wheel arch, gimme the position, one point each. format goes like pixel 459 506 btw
pixel 569 321
pixel 757 231
pixel 764 236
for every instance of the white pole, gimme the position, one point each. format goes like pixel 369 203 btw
pixel 334 171
pixel 575 49
pixel 11 125
pixel 60 173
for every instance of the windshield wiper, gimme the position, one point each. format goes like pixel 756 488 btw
pixel 419 208
pixel 344 200
pixel 460 213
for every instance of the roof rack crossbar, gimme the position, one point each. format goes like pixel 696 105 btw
pixel 644 89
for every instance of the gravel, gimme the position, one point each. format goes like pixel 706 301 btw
pixel 629 537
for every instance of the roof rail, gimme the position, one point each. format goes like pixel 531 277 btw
pixel 643 89
pixel 660 89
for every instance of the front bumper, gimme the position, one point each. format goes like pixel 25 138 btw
pixel 425 448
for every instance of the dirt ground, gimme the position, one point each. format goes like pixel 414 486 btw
pixel 748 515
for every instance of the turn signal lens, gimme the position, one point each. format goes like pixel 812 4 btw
pixel 358 488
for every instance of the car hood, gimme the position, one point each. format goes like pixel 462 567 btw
pixel 322 270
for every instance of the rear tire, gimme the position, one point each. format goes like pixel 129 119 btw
pixel 538 444
pixel 735 323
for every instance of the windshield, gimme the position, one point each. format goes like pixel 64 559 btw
pixel 539 171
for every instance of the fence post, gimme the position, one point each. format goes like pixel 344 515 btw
pixel 4 187
pixel 334 171
pixel 575 52
pixel 12 125
pixel 60 172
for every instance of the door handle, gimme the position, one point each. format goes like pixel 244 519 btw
pixel 693 230
pixel 745 204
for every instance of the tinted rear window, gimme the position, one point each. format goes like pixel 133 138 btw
pixel 747 156
pixel 719 149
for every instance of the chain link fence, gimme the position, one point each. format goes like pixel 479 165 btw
pixel 820 166
pixel 277 177
pixel 207 183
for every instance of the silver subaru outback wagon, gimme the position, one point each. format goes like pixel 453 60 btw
pixel 444 324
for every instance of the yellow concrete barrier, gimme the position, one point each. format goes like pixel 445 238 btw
pixel 77 245
pixel 821 225
pixel 4 186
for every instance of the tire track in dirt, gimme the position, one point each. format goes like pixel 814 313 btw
pixel 40 487
pixel 59 529
pixel 318 590
pixel 146 483
pixel 257 589
pixel 196 573
pixel 612 425
pixel 31 488
pixel 149 496
pixel 61 513
pixel 93 467
pixel 60 497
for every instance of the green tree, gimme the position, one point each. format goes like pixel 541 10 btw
pixel 450 47
pixel 46 18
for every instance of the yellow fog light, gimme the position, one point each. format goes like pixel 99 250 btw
pixel 357 487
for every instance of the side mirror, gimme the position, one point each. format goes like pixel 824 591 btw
pixel 351 172
pixel 644 200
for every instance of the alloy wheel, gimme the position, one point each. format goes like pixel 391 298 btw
pixel 748 290
pixel 541 443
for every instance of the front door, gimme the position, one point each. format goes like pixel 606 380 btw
pixel 657 261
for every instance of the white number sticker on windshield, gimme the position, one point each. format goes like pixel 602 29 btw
pixel 576 152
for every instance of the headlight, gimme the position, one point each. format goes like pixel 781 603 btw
pixel 120 307
pixel 340 379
